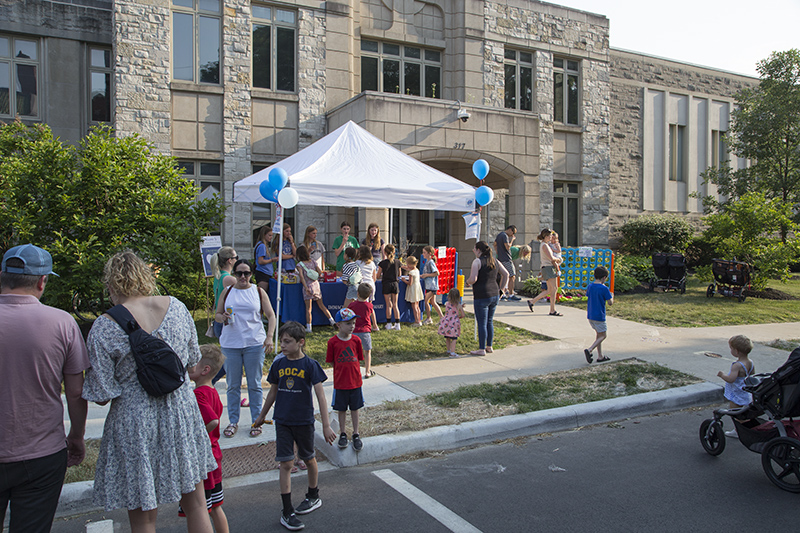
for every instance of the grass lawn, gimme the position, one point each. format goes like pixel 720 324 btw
pixel 694 309
pixel 408 344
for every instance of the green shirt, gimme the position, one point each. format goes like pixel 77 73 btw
pixel 514 250
pixel 352 242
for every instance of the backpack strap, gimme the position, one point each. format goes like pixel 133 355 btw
pixel 124 318
pixel 260 302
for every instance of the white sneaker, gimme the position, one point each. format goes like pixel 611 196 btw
pixel 397 326
pixel 308 328
pixel 389 326
pixel 732 434
pixel 427 321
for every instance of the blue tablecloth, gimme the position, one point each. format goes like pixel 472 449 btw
pixel 293 307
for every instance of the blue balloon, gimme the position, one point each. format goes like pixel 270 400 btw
pixel 278 178
pixel 267 191
pixel 480 168
pixel 483 195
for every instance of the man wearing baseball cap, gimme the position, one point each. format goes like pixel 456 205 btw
pixel 40 347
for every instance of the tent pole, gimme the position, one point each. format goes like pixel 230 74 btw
pixel 280 277
pixel 233 226
pixel 391 219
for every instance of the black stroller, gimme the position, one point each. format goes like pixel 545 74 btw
pixel 731 277
pixel 670 270
pixel 761 426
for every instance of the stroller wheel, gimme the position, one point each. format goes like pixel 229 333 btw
pixel 741 296
pixel 781 462
pixel 712 437
pixel 683 286
pixel 710 291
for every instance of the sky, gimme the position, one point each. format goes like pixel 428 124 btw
pixel 730 35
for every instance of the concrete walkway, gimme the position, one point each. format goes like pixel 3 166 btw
pixel 683 349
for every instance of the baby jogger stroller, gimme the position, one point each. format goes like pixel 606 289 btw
pixel 761 426
pixel 670 270
pixel 731 277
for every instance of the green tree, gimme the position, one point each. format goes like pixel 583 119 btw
pixel 747 229
pixel 653 233
pixel 765 128
pixel 85 203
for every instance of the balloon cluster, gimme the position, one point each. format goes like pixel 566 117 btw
pixel 274 189
pixel 483 194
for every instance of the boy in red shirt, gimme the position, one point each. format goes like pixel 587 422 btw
pixel 365 322
pixel 344 353
pixel 208 400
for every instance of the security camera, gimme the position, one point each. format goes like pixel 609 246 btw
pixel 463 114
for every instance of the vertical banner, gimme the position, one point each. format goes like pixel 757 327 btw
pixel 210 245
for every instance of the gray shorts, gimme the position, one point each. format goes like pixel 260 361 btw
pixel 352 292
pixel 509 266
pixel 366 340
pixel 548 272
pixel 599 326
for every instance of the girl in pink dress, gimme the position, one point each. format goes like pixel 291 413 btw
pixel 450 325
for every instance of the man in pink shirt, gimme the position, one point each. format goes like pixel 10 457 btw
pixel 40 347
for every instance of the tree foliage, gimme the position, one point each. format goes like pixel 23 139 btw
pixel 653 233
pixel 85 203
pixel 765 129
pixel 748 229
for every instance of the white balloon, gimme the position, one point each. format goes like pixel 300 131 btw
pixel 287 197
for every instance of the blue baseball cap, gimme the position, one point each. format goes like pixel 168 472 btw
pixel 344 315
pixel 35 261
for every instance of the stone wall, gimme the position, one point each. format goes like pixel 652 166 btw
pixel 80 20
pixel 311 75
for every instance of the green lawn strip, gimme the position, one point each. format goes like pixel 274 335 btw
pixel 85 470
pixel 694 309
pixel 409 344
pixel 570 387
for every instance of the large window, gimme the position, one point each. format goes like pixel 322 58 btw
pixel 206 175
pixel 566 84
pixel 274 48
pixel 566 196
pixel 196 36
pixel 395 68
pixel 19 80
pixel 519 80
pixel 677 153
pixel 101 77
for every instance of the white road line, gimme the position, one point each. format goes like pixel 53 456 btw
pixel 448 518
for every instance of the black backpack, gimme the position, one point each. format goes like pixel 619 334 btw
pixel 158 367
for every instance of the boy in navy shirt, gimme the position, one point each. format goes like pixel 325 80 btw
pixel 598 294
pixel 292 378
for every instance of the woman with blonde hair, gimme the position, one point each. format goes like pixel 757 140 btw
pixel 316 250
pixel 221 266
pixel 154 450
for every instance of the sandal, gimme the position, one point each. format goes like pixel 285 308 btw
pixel 530 305
pixel 301 464
pixel 556 313
pixel 294 469
pixel 603 359
pixel 231 430
pixel 255 432
pixel 369 374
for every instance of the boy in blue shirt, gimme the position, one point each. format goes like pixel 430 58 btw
pixel 598 294
pixel 292 378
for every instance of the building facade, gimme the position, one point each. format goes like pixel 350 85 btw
pixel 579 136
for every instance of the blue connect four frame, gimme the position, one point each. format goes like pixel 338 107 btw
pixel 578 272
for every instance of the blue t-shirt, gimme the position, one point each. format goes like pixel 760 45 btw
pixel 503 255
pixel 261 251
pixel 288 264
pixel 598 294
pixel 294 404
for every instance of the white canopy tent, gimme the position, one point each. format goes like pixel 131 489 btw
pixel 350 167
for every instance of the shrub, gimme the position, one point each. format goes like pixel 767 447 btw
pixel 532 286
pixel 624 283
pixel 638 267
pixel 704 273
pixel 699 252
pixel 649 234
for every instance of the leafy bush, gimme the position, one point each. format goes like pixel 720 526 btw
pixel 652 233
pixel 532 286
pixel 704 273
pixel 699 252
pixel 624 283
pixel 638 267
pixel 85 203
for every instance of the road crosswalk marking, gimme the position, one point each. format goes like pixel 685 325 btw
pixel 448 518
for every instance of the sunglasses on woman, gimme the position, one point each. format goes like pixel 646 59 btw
pixel 242 273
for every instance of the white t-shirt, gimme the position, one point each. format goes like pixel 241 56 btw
pixel 247 329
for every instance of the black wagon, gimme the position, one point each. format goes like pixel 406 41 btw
pixel 731 278
pixel 670 271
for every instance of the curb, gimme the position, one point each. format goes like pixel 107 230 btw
pixel 76 498
pixel 384 447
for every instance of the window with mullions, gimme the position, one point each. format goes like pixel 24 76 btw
pixel 206 175
pixel 196 36
pixel 395 68
pixel 719 149
pixel 566 198
pixel 100 88
pixel 19 80
pixel 519 80
pixel 274 37
pixel 566 86
pixel 677 153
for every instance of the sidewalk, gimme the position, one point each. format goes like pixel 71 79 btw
pixel 682 349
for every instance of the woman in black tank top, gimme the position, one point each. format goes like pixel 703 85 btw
pixel 483 278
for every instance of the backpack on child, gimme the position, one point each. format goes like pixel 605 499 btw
pixel 158 367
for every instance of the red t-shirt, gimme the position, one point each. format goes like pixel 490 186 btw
pixel 211 409
pixel 363 311
pixel 345 355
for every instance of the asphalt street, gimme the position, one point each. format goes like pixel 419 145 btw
pixel 645 474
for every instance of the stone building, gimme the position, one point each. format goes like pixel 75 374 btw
pixel 579 136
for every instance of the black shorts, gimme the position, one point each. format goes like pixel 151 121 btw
pixel 214 498
pixel 260 276
pixel 344 398
pixel 390 287
pixel 287 436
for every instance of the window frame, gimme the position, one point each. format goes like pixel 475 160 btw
pixel 197 14
pixel 404 61
pixel 719 149
pixel 14 62
pixel 677 153
pixel 519 65
pixel 566 73
pixel 274 24
pixel 109 71
pixel 564 228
